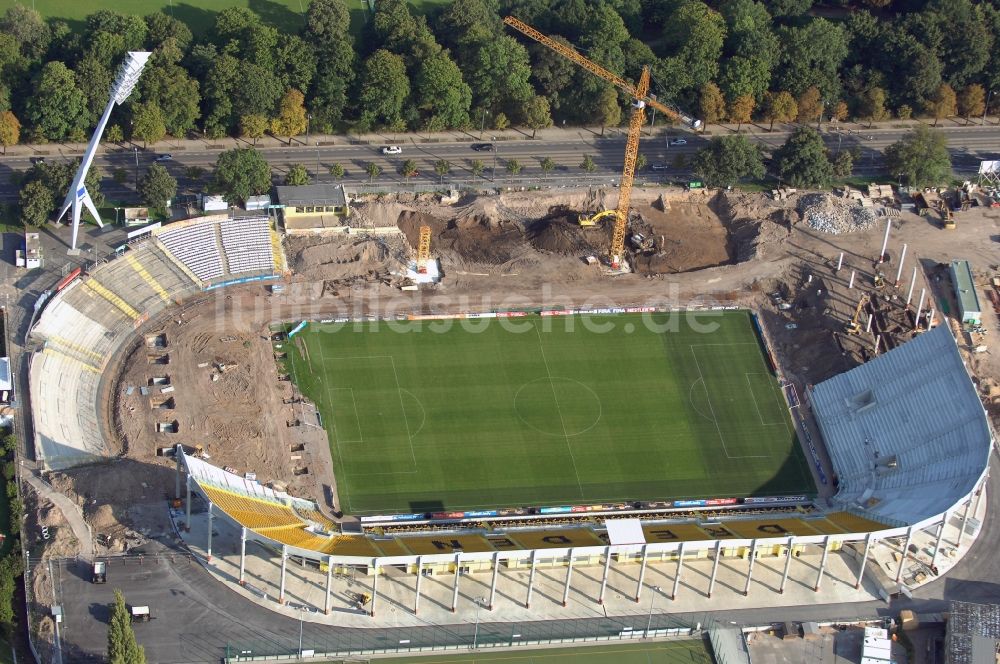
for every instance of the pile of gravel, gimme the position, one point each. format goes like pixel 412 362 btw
pixel 827 214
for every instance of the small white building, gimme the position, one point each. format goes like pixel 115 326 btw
pixel 30 254
pixel 255 203
pixel 213 203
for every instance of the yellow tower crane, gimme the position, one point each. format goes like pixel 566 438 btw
pixel 640 93
pixel 424 249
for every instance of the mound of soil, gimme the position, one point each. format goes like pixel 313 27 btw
pixel 476 239
pixel 561 233
pixel 340 257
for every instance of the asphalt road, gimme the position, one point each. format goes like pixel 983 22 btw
pixel 968 146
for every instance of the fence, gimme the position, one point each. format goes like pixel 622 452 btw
pixel 323 644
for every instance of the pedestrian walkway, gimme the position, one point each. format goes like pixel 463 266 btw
pixel 70 511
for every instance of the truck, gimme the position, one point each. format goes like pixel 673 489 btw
pixel 140 614
pixel 100 572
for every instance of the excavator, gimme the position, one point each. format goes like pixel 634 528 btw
pixel 853 326
pixel 640 93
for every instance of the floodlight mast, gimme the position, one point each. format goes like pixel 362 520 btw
pixel 78 196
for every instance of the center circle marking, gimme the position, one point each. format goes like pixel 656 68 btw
pixel 561 392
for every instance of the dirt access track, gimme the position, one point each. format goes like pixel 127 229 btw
pixel 514 249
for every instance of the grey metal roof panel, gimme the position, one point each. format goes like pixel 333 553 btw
pixel 906 431
pixel 312 194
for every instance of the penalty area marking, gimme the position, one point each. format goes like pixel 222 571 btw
pixel 754 398
pixel 708 396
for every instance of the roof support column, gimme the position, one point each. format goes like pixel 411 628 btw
pixel 329 584
pixel 822 563
pixel 680 566
pixel 937 542
pixel 208 549
pixel 177 472
pixel 788 564
pixel 187 522
pixel 243 554
pixel 458 573
pixel 569 575
pixel 374 586
pixel 607 570
pixel 753 557
pixel 965 520
pixel 493 583
pixel 864 560
pixel 642 573
pixel 715 566
pixel 531 579
pixel 281 583
pixel 902 558
pixel 420 575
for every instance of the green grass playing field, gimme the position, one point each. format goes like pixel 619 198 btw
pixel 421 419
pixel 664 652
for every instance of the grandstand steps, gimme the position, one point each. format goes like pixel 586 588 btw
pixel 147 277
pixel 177 262
pixel 95 286
pixel 217 232
pixel 280 264
pixel 72 355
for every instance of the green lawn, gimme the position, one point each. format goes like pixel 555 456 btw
pixel 429 415
pixel 664 652
pixel 287 15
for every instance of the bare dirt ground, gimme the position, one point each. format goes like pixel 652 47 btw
pixel 520 249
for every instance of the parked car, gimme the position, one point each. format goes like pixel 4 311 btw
pixel 392 149
pixel 659 166
pixel 482 147
pixel 678 141
pixel 164 157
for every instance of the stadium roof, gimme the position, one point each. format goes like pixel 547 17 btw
pixel 907 433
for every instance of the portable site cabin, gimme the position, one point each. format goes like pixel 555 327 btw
pixel 965 293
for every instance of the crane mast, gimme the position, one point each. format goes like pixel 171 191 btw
pixel 640 93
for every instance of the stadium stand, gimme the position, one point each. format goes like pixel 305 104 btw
pixel 906 431
pixel 219 248
pixel 247 243
pixel 194 244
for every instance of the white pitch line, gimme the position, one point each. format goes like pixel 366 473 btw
pixel 562 422
pixel 708 397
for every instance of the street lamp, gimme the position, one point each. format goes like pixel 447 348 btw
pixel 986 108
pixel 117 210
pixel 493 171
pixel 482 125
pixel 652 597
pixel 135 150
pixel 309 118
pixel 475 635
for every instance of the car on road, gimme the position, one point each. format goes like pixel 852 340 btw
pixel 164 157
pixel 659 166
pixel 37 160
pixel 392 149
pixel 678 141
pixel 482 147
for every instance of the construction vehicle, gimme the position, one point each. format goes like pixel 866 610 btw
pixel 853 326
pixel 879 279
pixel 99 573
pixel 640 93
pixel 948 219
pixel 140 614
pixel 424 249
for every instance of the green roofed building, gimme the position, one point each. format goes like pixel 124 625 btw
pixel 965 293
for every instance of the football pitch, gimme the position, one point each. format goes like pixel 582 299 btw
pixel 448 415
pixel 690 651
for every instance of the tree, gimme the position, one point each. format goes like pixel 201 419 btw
pixel 922 156
pixel 872 105
pixel 513 167
pixel 291 120
pixel 943 104
pixel 843 164
pixel 297 176
pixel 588 164
pixel 373 170
pixel 537 114
pixel 547 165
pixel 477 167
pixel 810 105
pixel 157 186
pixel 640 161
pixel 839 112
pixel 119 175
pixel 711 103
pixel 337 170
pixel 56 107
pixel 148 124
pixel 802 160
pixel 37 203
pixel 811 55
pixel 442 167
pixel 442 97
pixel 694 34
pixel 408 169
pixel 741 110
pixel 241 173
pixel 500 121
pixel 728 159
pixel 10 130
pixel 780 106
pixel 971 101
pixel 114 134
pixel 499 73
pixel 384 88
pixel 253 126
pixel 904 112
pixel 29 30
pixel 175 92
pixel 608 111
pixel 122 646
